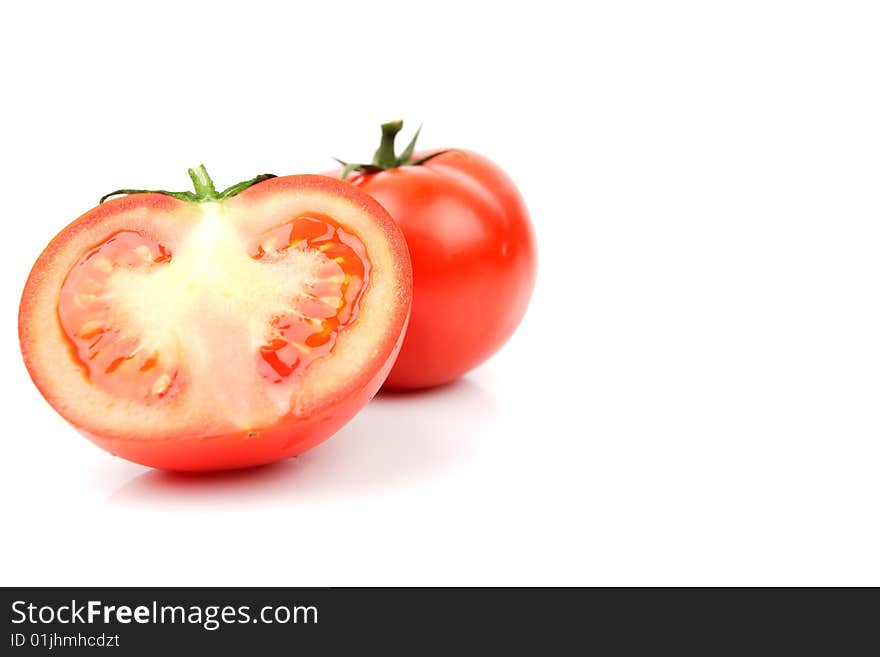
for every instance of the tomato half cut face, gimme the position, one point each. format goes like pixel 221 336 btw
pixel 218 334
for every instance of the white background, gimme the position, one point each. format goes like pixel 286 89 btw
pixel 693 396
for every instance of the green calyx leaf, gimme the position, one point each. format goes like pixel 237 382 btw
pixel 385 157
pixel 203 186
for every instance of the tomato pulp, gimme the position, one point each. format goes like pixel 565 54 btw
pixel 473 255
pixel 218 330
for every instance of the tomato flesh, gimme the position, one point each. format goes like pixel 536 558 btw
pixel 327 304
pixel 130 365
pixel 121 363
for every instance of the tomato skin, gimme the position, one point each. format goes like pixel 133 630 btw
pixel 202 448
pixel 474 261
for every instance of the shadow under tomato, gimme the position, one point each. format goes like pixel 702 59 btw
pixel 399 439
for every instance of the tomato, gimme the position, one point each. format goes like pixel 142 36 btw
pixel 206 330
pixel 473 255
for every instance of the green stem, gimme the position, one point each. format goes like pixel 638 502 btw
pixel 202 183
pixel 385 157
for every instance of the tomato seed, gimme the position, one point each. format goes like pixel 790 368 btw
pixel 160 385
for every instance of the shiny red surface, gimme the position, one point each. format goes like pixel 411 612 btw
pixel 474 262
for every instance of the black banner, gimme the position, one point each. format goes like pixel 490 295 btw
pixel 413 621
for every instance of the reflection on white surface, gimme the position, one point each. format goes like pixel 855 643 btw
pixel 398 439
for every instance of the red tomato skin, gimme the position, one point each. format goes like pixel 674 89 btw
pixel 473 256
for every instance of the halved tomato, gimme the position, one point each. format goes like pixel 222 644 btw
pixel 198 331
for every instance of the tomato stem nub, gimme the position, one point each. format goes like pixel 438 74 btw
pixel 385 157
pixel 202 183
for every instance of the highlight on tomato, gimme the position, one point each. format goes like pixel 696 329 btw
pixel 473 254
pixel 210 330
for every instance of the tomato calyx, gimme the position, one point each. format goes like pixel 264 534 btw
pixel 385 157
pixel 203 185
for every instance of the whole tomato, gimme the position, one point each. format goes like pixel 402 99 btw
pixel 472 249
